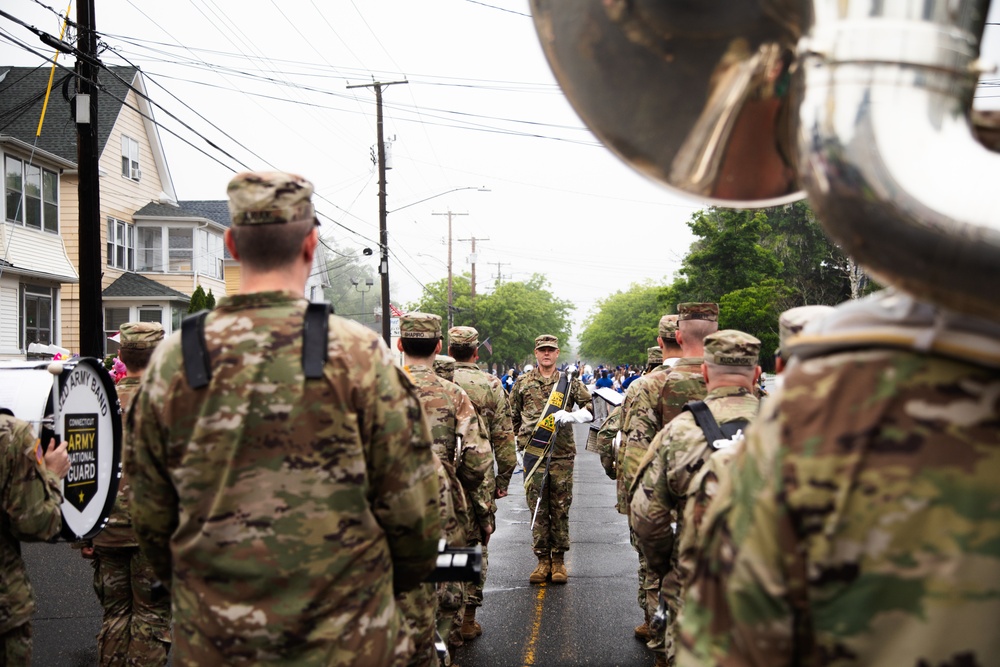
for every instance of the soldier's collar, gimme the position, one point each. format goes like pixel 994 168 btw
pixel 894 319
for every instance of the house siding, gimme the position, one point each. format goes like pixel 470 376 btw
pixel 8 325
pixel 234 274
pixel 120 198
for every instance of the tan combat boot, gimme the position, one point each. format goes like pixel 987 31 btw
pixel 642 631
pixel 559 575
pixel 542 571
pixel 470 627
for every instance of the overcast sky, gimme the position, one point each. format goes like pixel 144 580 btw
pixel 266 81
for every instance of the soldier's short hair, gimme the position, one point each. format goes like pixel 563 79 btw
pixel 419 347
pixel 270 247
pixel 696 330
pixel 461 352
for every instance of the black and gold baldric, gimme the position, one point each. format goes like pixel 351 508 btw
pixel 543 436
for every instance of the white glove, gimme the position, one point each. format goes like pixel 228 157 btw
pixel 581 416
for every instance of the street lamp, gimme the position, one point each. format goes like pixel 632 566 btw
pixel 368 284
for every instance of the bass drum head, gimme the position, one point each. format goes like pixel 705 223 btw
pixel 89 420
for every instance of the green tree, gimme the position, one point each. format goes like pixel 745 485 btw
pixel 435 300
pixel 622 326
pixel 510 316
pixel 755 310
pixel 515 313
pixel 814 267
pixel 197 300
pixel 210 300
pixel 728 254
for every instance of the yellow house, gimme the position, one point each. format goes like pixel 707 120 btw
pixel 157 250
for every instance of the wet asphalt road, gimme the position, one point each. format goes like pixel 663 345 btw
pixel 588 621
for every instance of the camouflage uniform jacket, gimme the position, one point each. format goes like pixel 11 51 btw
pixel 863 521
pixel 623 478
pixel 283 511
pixel 659 397
pixel 31 499
pixel 450 414
pixel 527 401
pixel 606 441
pixel 490 399
pixel 118 532
pixel 662 481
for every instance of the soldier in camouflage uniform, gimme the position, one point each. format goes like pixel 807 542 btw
pixel 444 367
pixel 655 400
pixel 135 629
pixel 30 495
pixel 664 478
pixel 452 418
pixel 861 521
pixel 528 398
pixel 606 443
pixel 791 323
pixel 490 400
pixel 283 512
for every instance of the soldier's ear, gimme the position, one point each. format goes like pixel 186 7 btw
pixel 230 242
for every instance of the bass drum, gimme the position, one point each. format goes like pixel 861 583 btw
pixel 75 401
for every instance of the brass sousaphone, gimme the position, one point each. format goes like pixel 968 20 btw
pixel 864 106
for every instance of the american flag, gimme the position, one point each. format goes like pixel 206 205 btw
pixel 487 345
pixel 396 312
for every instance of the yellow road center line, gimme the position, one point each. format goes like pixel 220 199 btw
pixel 536 627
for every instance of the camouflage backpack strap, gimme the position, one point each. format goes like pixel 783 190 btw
pixel 706 421
pixel 315 333
pixel 196 361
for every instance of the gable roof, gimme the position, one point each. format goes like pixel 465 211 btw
pixel 133 285
pixel 22 93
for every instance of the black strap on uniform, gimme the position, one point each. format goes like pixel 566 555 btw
pixel 196 361
pixel 315 332
pixel 706 420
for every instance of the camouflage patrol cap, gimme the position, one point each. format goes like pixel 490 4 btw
pixel 792 321
pixel 140 335
pixel 444 366
pixel 654 355
pixel 420 325
pixel 269 197
pixel 668 327
pixel 546 340
pixel 730 347
pixel 463 336
pixel 698 311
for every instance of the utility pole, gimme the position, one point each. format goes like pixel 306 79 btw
pixel 88 192
pixel 499 264
pixel 383 234
pixel 451 317
pixel 472 260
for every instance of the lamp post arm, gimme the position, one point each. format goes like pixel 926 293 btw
pixel 440 194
